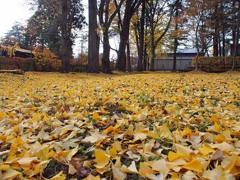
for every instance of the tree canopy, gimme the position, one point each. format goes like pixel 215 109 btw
pixel 157 26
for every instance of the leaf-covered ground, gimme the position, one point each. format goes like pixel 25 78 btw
pixel 139 126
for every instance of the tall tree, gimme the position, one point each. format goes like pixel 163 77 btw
pixel 71 18
pixel 66 41
pixel 54 25
pixel 93 38
pixel 176 28
pixel 236 31
pixel 107 11
pixel 17 34
pixel 198 13
pixel 139 30
pixel 158 12
pixel 130 8
pixel 44 26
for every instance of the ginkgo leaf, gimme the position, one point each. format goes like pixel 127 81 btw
pixel 91 177
pixel 44 135
pixel 131 169
pixel 186 131
pixel 4 167
pixel 139 136
pixel 95 137
pixel 112 152
pixel 214 118
pixel 165 132
pixel 189 175
pixel 152 125
pixel 214 173
pixel 194 165
pixel 145 170
pixel 219 138
pixel 96 116
pixel 103 170
pixel 118 174
pixel 217 155
pixel 177 163
pixel 132 155
pixel 206 149
pixel 102 158
pixel 2 115
pixel 43 154
pixel 160 166
pixel 224 146
pixel 229 163
pixel 185 151
pixel 148 146
pixel 129 131
pixel 59 176
pixel 108 130
pixel 11 174
pixel 26 162
pixel 71 169
pixel 39 168
pixel 173 156
pixel 117 145
pixel 71 153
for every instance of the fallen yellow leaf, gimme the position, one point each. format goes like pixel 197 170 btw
pixel 4 167
pixel 194 165
pixel 161 166
pixel 206 149
pixel 131 169
pixel 145 169
pixel 173 156
pixel 96 116
pixel 26 162
pixel 102 158
pixel 91 177
pixel 59 176
pixel 11 174
pixel 118 174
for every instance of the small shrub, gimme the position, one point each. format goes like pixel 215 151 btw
pixel 216 64
pixel 30 65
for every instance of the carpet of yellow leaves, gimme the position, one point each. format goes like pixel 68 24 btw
pixel 140 126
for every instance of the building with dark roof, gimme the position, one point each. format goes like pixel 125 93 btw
pixel 184 60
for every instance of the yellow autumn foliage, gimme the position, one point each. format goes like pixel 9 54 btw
pixel 142 126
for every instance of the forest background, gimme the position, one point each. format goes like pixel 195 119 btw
pixel 142 30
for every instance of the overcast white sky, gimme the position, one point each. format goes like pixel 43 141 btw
pixel 12 11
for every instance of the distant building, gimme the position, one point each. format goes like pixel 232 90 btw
pixel 15 51
pixel 184 60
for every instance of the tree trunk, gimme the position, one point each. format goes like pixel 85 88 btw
pixel 223 35
pixel 106 53
pixel 219 45
pixel 175 55
pixel 145 61
pixel 129 68
pixel 121 61
pixel 66 37
pixel 141 39
pixel 197 47
pixel 223 42
pixel 176 38
pixel 236 40
pixel 216 34
pixel 93 38
pixel 152 56
pixel 124 34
